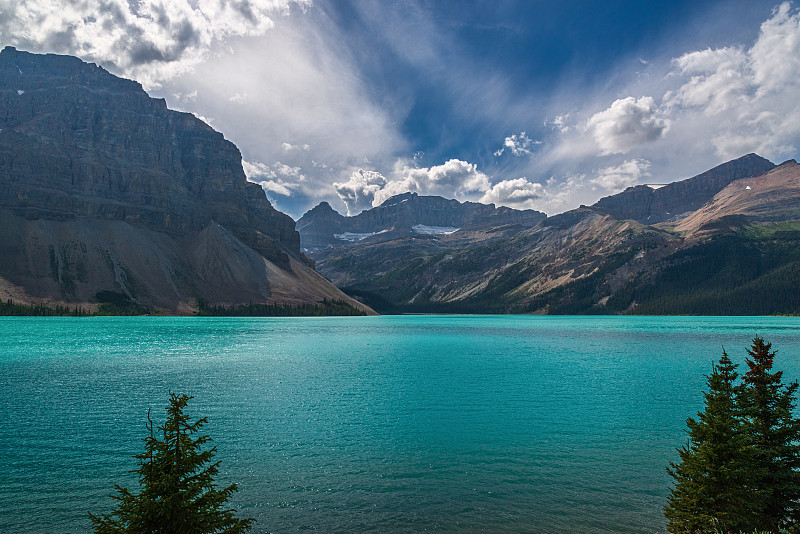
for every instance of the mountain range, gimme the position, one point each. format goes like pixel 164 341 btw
pixel 105 193
pixel 403 216
pixel 726 241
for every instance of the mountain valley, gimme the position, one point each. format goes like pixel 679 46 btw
pixel 723 242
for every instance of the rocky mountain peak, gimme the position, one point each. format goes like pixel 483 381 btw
pixel 405 215
pixel 111 190
pixel 649 205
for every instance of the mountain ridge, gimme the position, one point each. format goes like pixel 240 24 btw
pixel 103 188
pixel 398 217
pixel 736 255
pixel 646 205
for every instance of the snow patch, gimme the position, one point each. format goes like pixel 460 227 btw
pixel 352 237
pixel 433 230
pixel 395 204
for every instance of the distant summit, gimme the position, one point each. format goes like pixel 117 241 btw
pixel 404 215
pixel 650 204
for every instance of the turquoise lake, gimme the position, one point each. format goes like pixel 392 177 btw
pixel 370 424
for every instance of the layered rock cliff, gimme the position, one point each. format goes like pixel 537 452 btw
pixel 102 188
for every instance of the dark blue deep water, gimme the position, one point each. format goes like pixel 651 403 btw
pixel 376 424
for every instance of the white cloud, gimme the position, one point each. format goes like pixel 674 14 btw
pixel 453 179
pixel 627 123
pixel 518 144
pixel 307 106
pixel 518 193
pixel 207 120
pixel 359 192
pixel 186 97
pixel 148 40
pixel 288 147
pixel 276 178
pixel 751 94
pixel 775 57
pixel 619 177
pixel 560 123
pixel 716 82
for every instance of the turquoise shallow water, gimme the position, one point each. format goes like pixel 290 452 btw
pixel 373 424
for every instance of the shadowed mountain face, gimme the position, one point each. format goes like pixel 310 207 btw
pixel 737 253
pixel 405 215
pixel 103 188
pixel 649 205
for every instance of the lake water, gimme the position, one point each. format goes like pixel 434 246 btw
pixel 369 424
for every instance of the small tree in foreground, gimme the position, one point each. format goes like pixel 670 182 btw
pixel 740 470
pixel 768 406
pixel 177 494
pixel 712 485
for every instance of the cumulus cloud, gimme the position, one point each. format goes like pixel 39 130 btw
pixel 453 179
pixel 518 144
pixel 775 57
pixel 750 94
pixel 149 40
pixel 627 123
pixel 358 193
pixel 618 177
pixel 715 80
pixel 517 193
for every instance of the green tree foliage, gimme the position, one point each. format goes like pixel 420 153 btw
pixel 323 308
pixel 178 494
pixel 740 470
pixel 767 407
pixel 711 490
pixel 9 307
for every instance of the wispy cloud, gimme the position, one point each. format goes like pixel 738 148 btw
pixel 518 144
pixel 618 177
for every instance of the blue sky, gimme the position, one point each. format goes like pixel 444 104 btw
pixel 531 104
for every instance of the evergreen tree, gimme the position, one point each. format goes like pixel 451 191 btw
pixel 711 492
pixel 775 433
pixel 178 494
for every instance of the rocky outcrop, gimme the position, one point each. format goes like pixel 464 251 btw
pixel 673 201
pixel 402 216
pixel 104 188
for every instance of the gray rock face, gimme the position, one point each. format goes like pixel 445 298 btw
pixel 97 179
pixel 78 141
pixel 398 216
pixel 649 206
